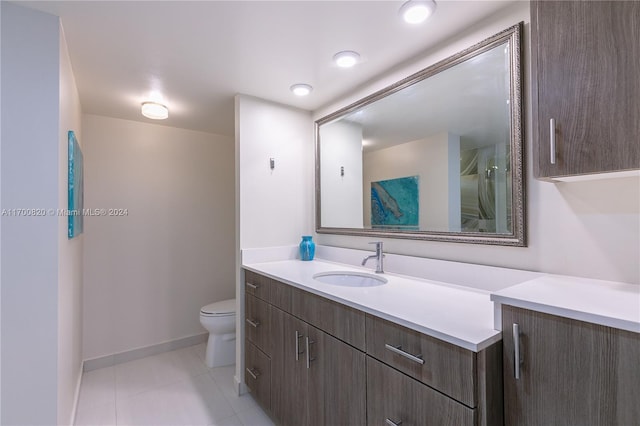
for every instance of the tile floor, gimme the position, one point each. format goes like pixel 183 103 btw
pixel 174 388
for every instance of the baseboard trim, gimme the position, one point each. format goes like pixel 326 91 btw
pixel 240 387
pixel 76 398
pixel 133 354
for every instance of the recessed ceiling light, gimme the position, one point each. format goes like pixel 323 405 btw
pixel 155 110
pixel 301 89
pixel 417 11
pixel 346 58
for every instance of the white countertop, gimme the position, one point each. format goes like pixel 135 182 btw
pixel 458 315
pixel 606 303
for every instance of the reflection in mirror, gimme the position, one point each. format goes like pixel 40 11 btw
pixel 436 156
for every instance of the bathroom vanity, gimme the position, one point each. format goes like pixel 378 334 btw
pixel 421 351
pixel 342 357
pixel 571 351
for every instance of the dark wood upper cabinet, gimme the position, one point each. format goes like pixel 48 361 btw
pixel 570 372
pixel 585 76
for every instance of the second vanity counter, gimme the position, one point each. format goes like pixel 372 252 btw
pixel 457 315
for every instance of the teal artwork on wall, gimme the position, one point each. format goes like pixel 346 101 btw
pixel 395 203
pixel 76 187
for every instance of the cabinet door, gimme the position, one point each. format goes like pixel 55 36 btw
pixel 586 57
pixel 571 372
pixel 393 397
pixel 288 369
pixel 337 382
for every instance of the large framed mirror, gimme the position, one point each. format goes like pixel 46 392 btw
pixel 435 156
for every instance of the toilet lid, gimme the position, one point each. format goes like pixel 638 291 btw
pixel 222 308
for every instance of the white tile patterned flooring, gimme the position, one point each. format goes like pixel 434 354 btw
pixel 173 388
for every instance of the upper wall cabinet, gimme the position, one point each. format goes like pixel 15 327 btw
pixel 585 87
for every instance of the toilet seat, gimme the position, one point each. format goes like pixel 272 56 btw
pixel 224 308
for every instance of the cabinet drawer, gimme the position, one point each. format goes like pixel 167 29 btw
pixel 256 285
pixel 341 321
pixel 257 375
pixel 443 366
pixel 280 295
pixel 268 289
pixel 398 398
pixel 256 313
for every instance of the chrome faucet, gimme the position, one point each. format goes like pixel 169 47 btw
pixel 378 256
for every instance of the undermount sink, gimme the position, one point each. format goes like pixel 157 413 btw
pixel 350 279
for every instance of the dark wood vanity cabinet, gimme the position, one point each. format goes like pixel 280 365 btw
pixel 585 86
pixel 395 398
pixel 329 364
pixel 315 378
pixel 569 372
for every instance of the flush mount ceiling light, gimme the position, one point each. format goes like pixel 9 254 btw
pixel 346 58
pixel 301 89
pixel 155 110
pixel 417 11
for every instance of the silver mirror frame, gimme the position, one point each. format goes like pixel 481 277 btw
pixel 512 36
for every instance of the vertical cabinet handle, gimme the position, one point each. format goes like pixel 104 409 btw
pixel 298 337
pixel 253 286
pixel 552 140
pixel 516 351
pixel 309 359
pixel 390 422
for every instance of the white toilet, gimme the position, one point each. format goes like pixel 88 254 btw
pixel 219 319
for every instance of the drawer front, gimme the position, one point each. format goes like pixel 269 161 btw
pixel 268 289
pixel 443 366
pixel 257 375
pixel 257 313
pixel 280 295
pixel 256 285
pixel 397 398
pixel 341 321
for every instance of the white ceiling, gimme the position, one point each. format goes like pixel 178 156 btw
pixel 469 100
pixel 199 54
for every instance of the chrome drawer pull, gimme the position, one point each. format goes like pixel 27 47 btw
pixel 253 286
pixel 253 372
pixel 252 323
pixel 398 350
pixel 552 140
pixel 392 423
pixel 516 351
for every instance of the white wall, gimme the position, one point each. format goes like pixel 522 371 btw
pixel 70 253
pixel 341 195
pixel 588 229
pixel 427 158
pixel 274 207
pixel 30 180
pixel 147 274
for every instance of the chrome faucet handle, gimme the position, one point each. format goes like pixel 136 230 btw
pixel 379 256
pixel 378 244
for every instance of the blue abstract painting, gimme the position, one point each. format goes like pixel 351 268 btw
pixel 395 203
pixel 76 187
